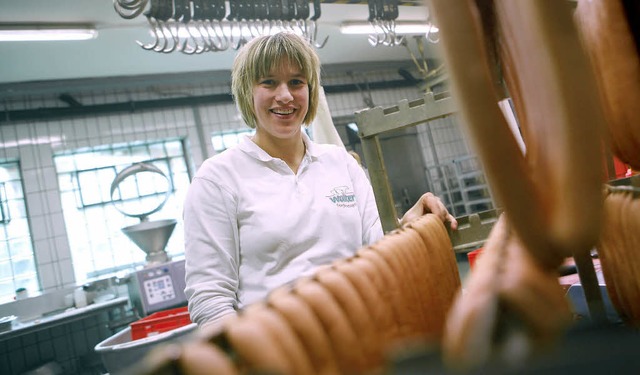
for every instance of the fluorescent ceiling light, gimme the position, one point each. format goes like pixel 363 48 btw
pixel 401 27
pixel 46 32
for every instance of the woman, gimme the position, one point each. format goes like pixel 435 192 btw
pixel 263 213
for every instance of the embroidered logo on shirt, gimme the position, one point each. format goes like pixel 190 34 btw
pixel 341 196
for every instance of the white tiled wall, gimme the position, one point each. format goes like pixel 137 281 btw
pixel 34 144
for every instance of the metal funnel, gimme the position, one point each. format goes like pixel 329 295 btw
pixel 152 237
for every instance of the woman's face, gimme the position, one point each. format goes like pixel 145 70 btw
pixel 281 101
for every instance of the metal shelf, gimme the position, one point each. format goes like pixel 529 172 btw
pixel 375 121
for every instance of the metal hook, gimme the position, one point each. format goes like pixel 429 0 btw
pixel 221 42
pixel 300 25
pixel 429 33
pixel 173 36
pixel 129 9
pixel 315 36
pixel 245 32
pixel 154 29
pixel 235 44
pixel 193 28
pixel 393 39
pixel 162 37
pixel 183 45
pixel 388 33
pixel 317 12
pixel 255 28
pixel 377 38
pixel 212 15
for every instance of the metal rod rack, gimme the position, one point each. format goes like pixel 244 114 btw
pixel 472 229
pixel 375 121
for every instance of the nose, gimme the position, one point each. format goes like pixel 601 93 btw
pixel 283 94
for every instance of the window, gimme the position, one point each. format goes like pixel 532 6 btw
pixel 347 129
pixel 5 215
pixel 224 140
pixel 17 261
pixel 94 223
pixel 89 182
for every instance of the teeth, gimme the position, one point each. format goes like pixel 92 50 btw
pixel 283 111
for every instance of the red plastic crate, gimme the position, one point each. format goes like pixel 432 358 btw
pixel 473 256
pixel 159 322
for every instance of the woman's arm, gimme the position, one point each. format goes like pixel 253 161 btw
pixel 211 251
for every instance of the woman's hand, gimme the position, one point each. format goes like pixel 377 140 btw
pixel 429 203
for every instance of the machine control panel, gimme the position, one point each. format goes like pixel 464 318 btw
pixel 158 288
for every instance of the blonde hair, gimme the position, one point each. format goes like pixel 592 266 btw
pixel 257 59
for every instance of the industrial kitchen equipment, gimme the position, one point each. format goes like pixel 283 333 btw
pixel 150 236
pixel 156 288
pixel 160 284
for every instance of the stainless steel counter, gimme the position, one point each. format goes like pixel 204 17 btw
pixel 55 318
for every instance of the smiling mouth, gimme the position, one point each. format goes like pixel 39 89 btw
pixel 283 111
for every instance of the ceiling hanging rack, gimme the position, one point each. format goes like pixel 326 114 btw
pixel 312 26
pixel 382 17
pixel 198 26
pixel 158 16
pixel 302 13
pixel 197 31
pixel 183 14
pixel 260 24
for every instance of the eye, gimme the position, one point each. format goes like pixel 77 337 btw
pixel 266 82
pixel 297 82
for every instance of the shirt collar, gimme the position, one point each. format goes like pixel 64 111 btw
pixel 249 147
pixel 252 149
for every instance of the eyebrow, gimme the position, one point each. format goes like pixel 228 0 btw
pixel 296 75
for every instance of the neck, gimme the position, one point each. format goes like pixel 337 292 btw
pixel 290 150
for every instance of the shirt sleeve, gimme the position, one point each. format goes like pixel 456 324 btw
pixel 371 225
pixel 211 251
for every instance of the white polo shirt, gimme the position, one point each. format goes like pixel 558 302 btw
pixel 252 225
